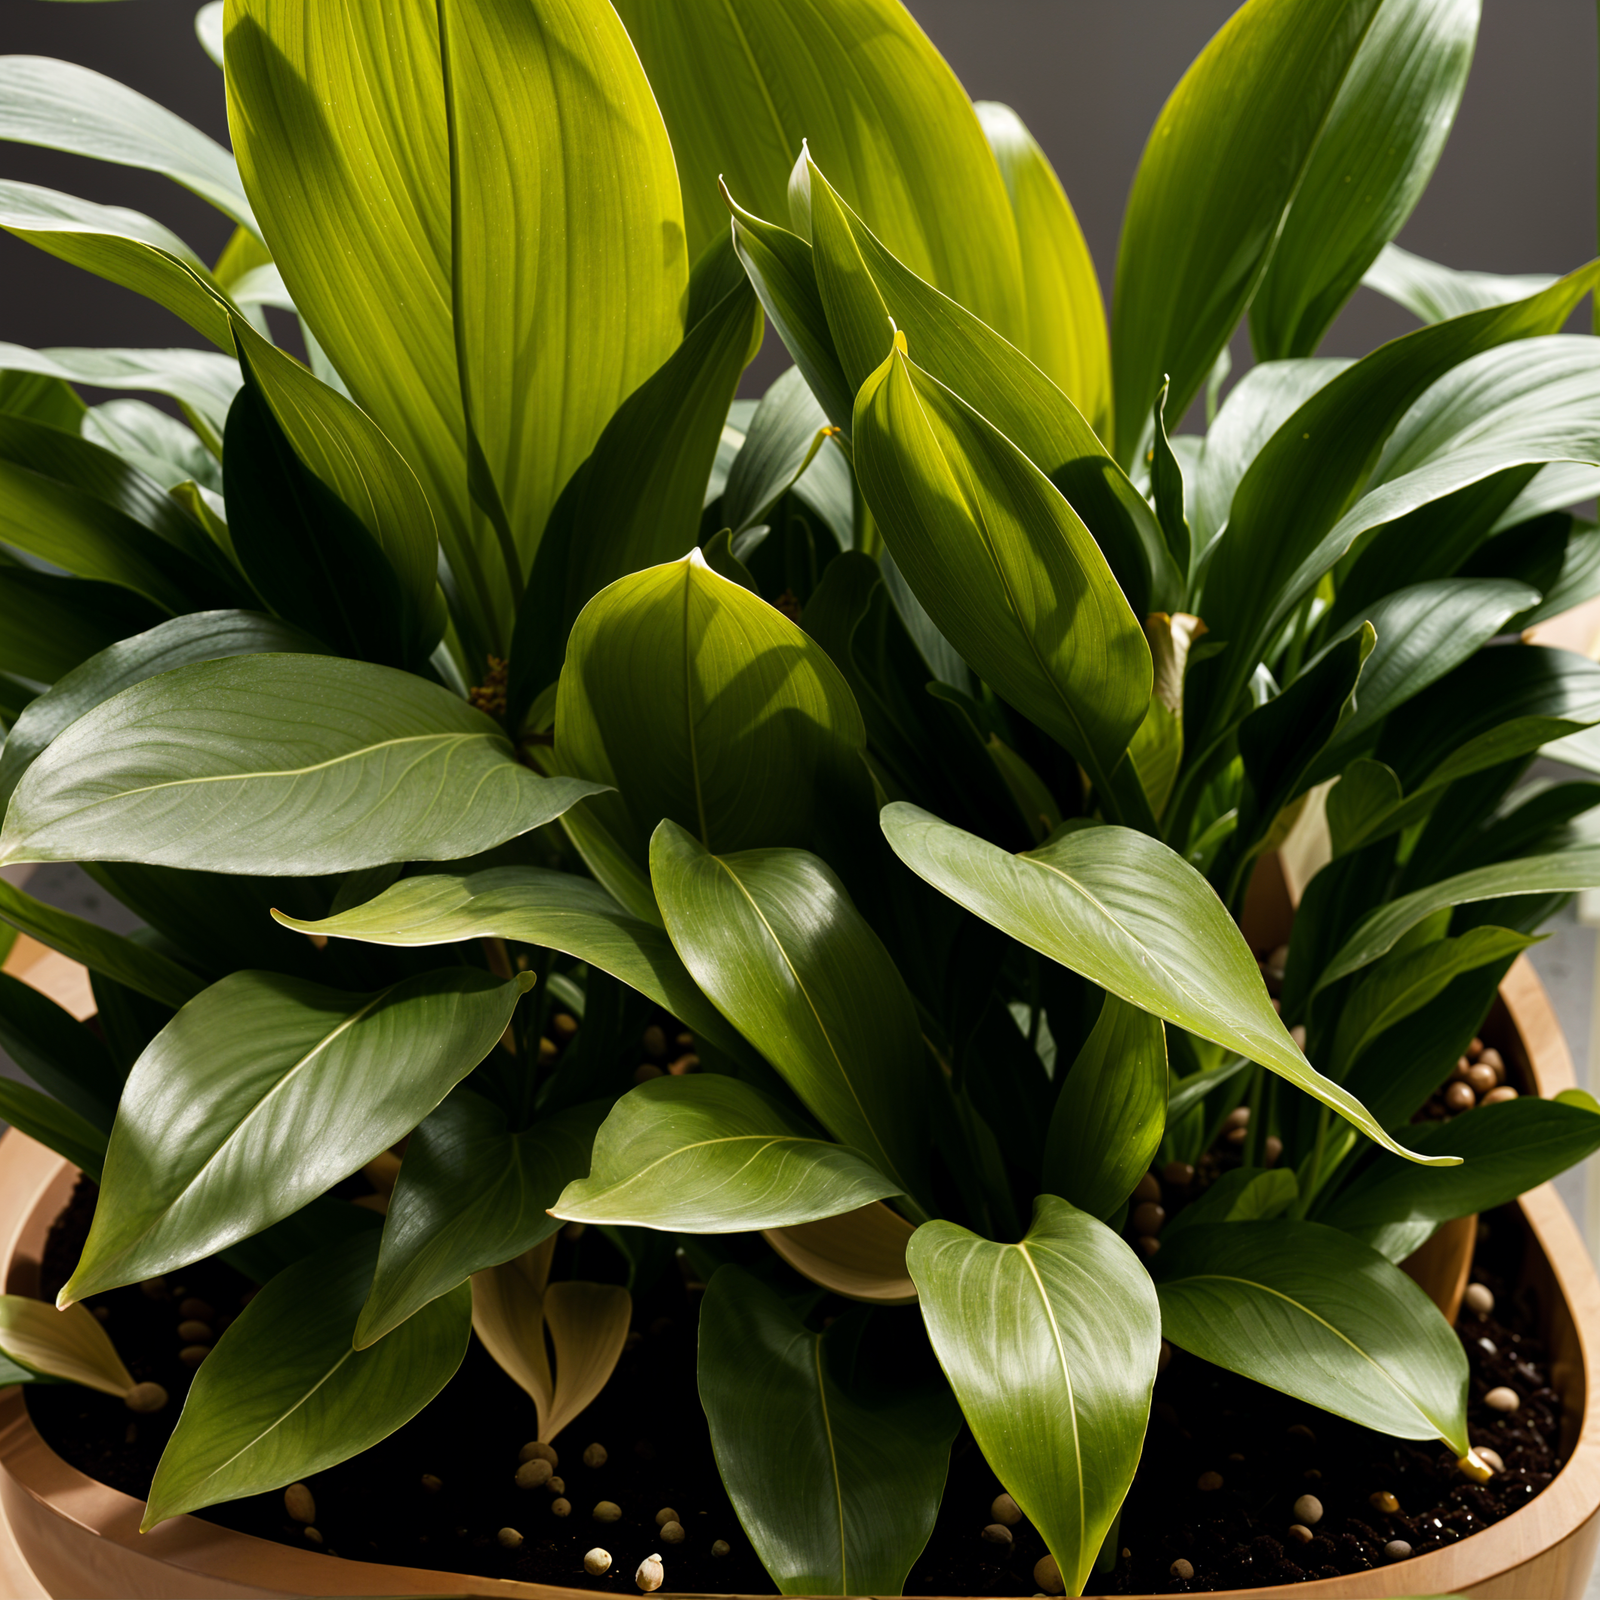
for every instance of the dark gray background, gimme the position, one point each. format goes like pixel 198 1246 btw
pixel 1515 191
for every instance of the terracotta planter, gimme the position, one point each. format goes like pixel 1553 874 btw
pixel 67 1536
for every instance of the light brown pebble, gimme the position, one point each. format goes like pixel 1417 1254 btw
pixel 1238 1118
pixel 1480 1078
pixel 1181 1570
pixel 1473 1466
pixel 1308 1509
pixel 200 1310
pixel 594 1455
pixel 1382 1500
pixel 300 1503
pixel 538 1450
pixel 1298 1034
pixel 1048 1575
pixel 1397 1550
pixel 651 1574
pixel 1492 1059
pixel 673 1533
pixel 1459 1073
pixel 1208 1482
pixel 1147 1188
pixel 665 1515
pixel 1459 1097
pixel 534 1474
pixel 597 1562
pixel 1177 1174
pixel 1479 1299
pixel 996 1533
pixel 155 1289
pixel 564 1024
pixel 1271 1149
pixel 194 1332
pixel 1236 1136
pixel 1498 1097
pixel 720 1548
pixel 193 1354
pixel 313 1535
pixel 508 1539
pixel 1147 1244
pixel 1163 1357
pixel 1502 1399
pixel 145 1398
pixel 684 1065
pixel 1492 1457
pixel 1300 1533
pixel 606 1511
pixel 1147 1218
pixel 655 1041
pixel 645 1073
pixel 431 1484
pixel 685 1039
pixel 556 1486
pixel 1475 1049
pixel 1004 1509
pixel 547 1050
pixel 1298 1430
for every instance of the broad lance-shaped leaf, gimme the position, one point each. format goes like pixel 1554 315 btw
pixel 555 910
pixel 1508 1149
pixel 744 85
pixel 773 939
pixel 708 1154
pixel 54 1125
pixel 278 765
pixel 1374 157
pixel 700 702
pixel 1379 932
pixel 471 1194
pixel 1314 1313
pixel 1111 1111
pixel 1432 293
pixel 1003 564
pixel 1135 918
pixel 833 1452
pixel 1050 1345
pixel 1067 336
pixel 284 1394
pixel 70 1345
pixel 265 1091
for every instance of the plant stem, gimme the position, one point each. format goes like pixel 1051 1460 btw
pixel 1302 1202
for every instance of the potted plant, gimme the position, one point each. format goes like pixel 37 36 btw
pixel 925 791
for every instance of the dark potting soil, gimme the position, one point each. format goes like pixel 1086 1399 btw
pixel 1267 1449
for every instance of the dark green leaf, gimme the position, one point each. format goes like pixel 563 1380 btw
pixel 58 1052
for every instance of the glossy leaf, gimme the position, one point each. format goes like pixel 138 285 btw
pixel 707 1154
pixel 1509 1148
pixel 1310 1311
pixel 208 29
pixel 1050 1345
pixel 212 766
pixel 58 1052
pixel 773 938
pixel 701 703
pixel 859 1254
pixel 1111 1111
pixel 55 1126
pixel 472 1193
pixel 1375 155
pixel 1003 564
pixel 264 1092
pixel 1245 1194
pixel 744 85
pixel 835 1472
pixel 1067 336
pixel 782 449
pixel 63 106
pixel 49 624
pixel 1221 168
pixel 284 1394
pixel 1132 916
pixel 1433 293
pixel 24 394
pixel 69 1344
pixel 165 450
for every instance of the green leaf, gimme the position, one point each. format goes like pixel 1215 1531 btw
pixel 1245 1194
pixel 49 625
pixel 208 29
pixel 1223 163
pixel 744 85
pixel 835 1464
pixel 772 937
pixel 147 971
pixel 1058 1408
pixel 200 636
pixel 58 1052
pixel 120 245
pixel 1003 564
pixel 1316 1314
pixel 554 910
pixel 265 1091
pixel 1111 1111
pixel 44 399
pixel 708 1154
pixel 165 450
pixel 783 449
pixel 1432 293
pixel 1378 932
pixel 472 1193
pixel 1509 1148
pixel 284 1394
pixel 201 381
pixel 63 106
pixel 278 764
pixel 1135 918
pixel 53 1125
pixel 1374 158
pixel 1067 336
pixel 701 703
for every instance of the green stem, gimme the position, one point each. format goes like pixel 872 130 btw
pixel 1302 1202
